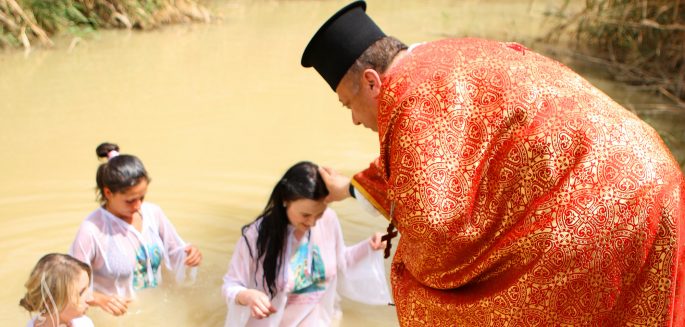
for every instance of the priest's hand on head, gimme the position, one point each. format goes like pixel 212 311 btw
pixel 337 184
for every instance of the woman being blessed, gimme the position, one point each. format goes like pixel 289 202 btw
pixel 291 262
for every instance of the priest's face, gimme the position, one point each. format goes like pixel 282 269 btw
pixel 360 96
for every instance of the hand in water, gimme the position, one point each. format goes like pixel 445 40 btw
pixel 258 302
pixel 193 256
pixel 113 305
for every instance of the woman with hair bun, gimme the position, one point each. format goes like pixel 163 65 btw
pixel 291 263
pixel 57 290
pixel 125 240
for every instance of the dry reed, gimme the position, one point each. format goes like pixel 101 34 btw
pixel 24 23
pixel 641 42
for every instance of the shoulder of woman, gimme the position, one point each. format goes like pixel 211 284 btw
pixel 96 214
pixel 329 217
pixel 330 214
pixel 251 230
pixel 150 206
pixel 149 209
pixel 95 221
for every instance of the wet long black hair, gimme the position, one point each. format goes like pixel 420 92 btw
pixel 301 181
pixel 119 173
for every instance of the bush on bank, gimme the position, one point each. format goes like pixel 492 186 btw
pixel 25 23
pixel 641 42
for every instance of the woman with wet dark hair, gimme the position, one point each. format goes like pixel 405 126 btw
pixel 291 261
pixel 126 240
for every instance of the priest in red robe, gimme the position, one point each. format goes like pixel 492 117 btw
pixel 523 194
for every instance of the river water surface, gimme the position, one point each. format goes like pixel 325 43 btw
pixel 217 112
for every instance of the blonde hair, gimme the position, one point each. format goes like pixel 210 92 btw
pixel 51 285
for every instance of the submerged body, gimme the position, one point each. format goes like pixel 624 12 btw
pixel 317 267
pixel 124 259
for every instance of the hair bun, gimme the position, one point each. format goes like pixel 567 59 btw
pixel 103 150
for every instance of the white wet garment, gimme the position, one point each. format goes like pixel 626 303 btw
pixel 125 260
pixel 82 321
pixel 316 269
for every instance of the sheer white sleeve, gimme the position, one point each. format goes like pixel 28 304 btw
pixel 84 245
pixel 237 279
pixel 361 272
pixel 365 204
pixel 174 247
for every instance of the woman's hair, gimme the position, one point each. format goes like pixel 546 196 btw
pixel 301 181
pixel 52 284
pixel 119 173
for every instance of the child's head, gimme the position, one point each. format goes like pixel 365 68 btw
pixel 121 174
pixel 58 288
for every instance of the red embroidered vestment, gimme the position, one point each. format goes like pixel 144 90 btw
pixel 523 195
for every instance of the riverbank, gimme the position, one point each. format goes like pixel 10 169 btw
pixel 30 23
pixel 636 42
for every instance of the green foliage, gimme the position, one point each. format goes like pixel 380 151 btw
pixel 57 15
pixel 151 6
pixel 8 40
pixel 78 17
pixel 75 14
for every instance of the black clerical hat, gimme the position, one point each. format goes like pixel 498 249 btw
pixel 340 41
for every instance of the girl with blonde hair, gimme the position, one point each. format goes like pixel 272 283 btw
pixel 57 290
